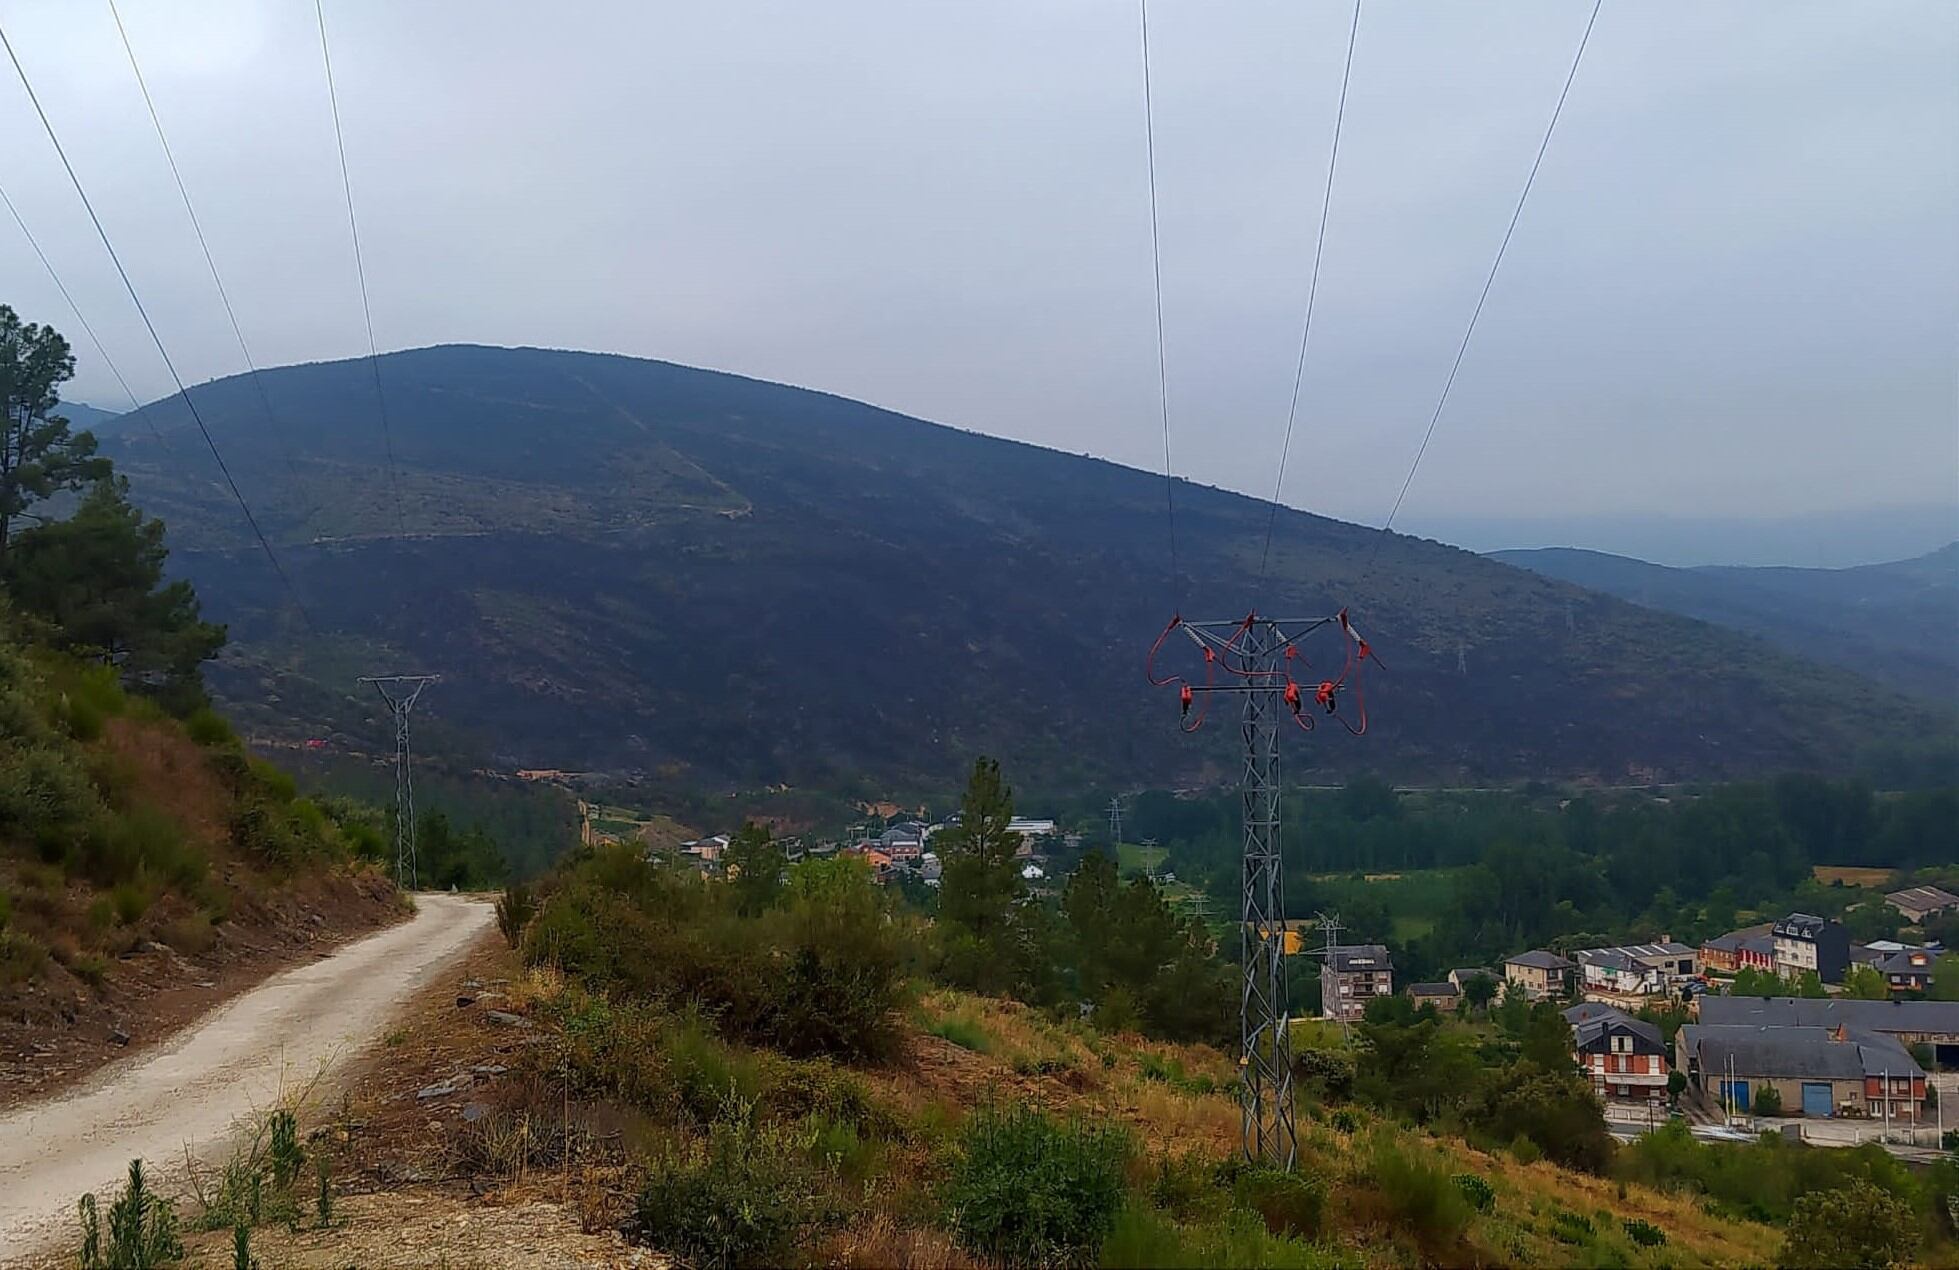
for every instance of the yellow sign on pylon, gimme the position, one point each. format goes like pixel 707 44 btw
pixel 1293 943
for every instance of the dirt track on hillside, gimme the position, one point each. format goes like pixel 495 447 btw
pixel 234 1064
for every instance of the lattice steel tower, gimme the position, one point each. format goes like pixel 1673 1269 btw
pixel 1258 657
pixel 401 692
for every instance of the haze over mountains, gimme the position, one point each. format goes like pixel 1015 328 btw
pixel 631 565
pixel 1896 622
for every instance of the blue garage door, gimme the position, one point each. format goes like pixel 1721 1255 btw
pixel 1734 1096
pixel 1816 1098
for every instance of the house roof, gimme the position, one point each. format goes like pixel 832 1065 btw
pixel 1463 973
pixel 1923 897
pixel 1538 959
pixel 1871 1016
pixel 1589 1033
pixel 1443 989
pixel 1911 961
pixel 1802 926
pixel 1349 958
pixel 1638 954
pixel 1587 1011
pixel 1792 1053
pixel 1748 937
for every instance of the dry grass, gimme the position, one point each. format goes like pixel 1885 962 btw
pixel 1873 879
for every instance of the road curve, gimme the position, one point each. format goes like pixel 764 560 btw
pixel 193 1089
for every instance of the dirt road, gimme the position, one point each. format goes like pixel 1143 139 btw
pixel 232 1064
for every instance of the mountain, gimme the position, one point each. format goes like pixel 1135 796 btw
pixel 1897 623
pixel 84 417
pixel 630 565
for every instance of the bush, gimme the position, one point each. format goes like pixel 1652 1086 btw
pixel 1644 1233
pixel 1345 1121
pixel 1768 1101
pixel 1025 1191
pixel 1292 1204
pixel 6 909
pixel 1571 1228
pixel 963 1029
pixel 207 727
pixel 22 958
pixel 1421 1193
pixel 746 1196
pixel 142 1229
pixel 1856 1226
pixel 1477 1190
pixel 515 908
pixel 1144 1240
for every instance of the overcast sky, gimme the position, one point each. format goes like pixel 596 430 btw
pixel 1735 290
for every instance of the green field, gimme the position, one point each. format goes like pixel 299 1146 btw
pixel 1134 857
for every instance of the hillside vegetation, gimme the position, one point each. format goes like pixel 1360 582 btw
pixel 635 566
pixel 142 850
pixel 1892 622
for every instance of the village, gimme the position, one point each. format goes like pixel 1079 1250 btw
pixel 1661 1029
pixel 1736 1061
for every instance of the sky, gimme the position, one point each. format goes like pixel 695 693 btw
pixel 1732 296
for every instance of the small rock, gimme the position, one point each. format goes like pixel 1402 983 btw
pixel 205 983
pixel 317 920
pixel 475 1111
pixel 472 983
pixel 118 1037
pixel 503 1018
pixel 464 1000
pixel 489 1069
pixel 443 1089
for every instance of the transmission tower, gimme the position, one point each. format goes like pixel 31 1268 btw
pixel 1115 822
pixel 1330 923
pixel 401 692
pixel 1258 657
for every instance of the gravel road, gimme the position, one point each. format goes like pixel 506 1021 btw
pixel 192 1090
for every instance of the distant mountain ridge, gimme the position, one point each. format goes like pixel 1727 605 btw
pixel 1896 622
pixel 632 565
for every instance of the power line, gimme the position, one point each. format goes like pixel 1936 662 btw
pixel 135 406
pixel 360 269
pixel 1156 274
pixel 1490 281
pixel 1312 294
pixel 150 326
pixel 265 401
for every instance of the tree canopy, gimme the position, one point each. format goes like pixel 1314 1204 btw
pixel 39 456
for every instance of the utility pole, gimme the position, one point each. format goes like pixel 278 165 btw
pixel 1330 925
pixel 401 692
pixel 1258 656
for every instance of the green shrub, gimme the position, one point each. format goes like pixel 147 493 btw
pixel 745 1196
pixel 1857 1226
pixel 142 1229
pixel 1571 1228
pixel 1768 1101
pixel 515 908
pixel 1644 1233
pixel 964 1030
pixel 1144 1240
pixel 1477 1190
pixel 22 958
pixel 207 727
pixel 1421 1193
pixel 1345 1121
pixel 6 909
pixel 1292 1204
pixel 1025 1191
pixel 131 900
pixel 46 798
pixel 1525 1150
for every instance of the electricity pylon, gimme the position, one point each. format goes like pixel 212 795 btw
pixel 1115 822
pixel 401 692
pixel 1258 656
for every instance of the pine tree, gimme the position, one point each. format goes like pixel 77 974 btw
pixel 39 456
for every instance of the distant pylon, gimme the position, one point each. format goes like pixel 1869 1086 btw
pixel 1115 822
pixel 401 692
